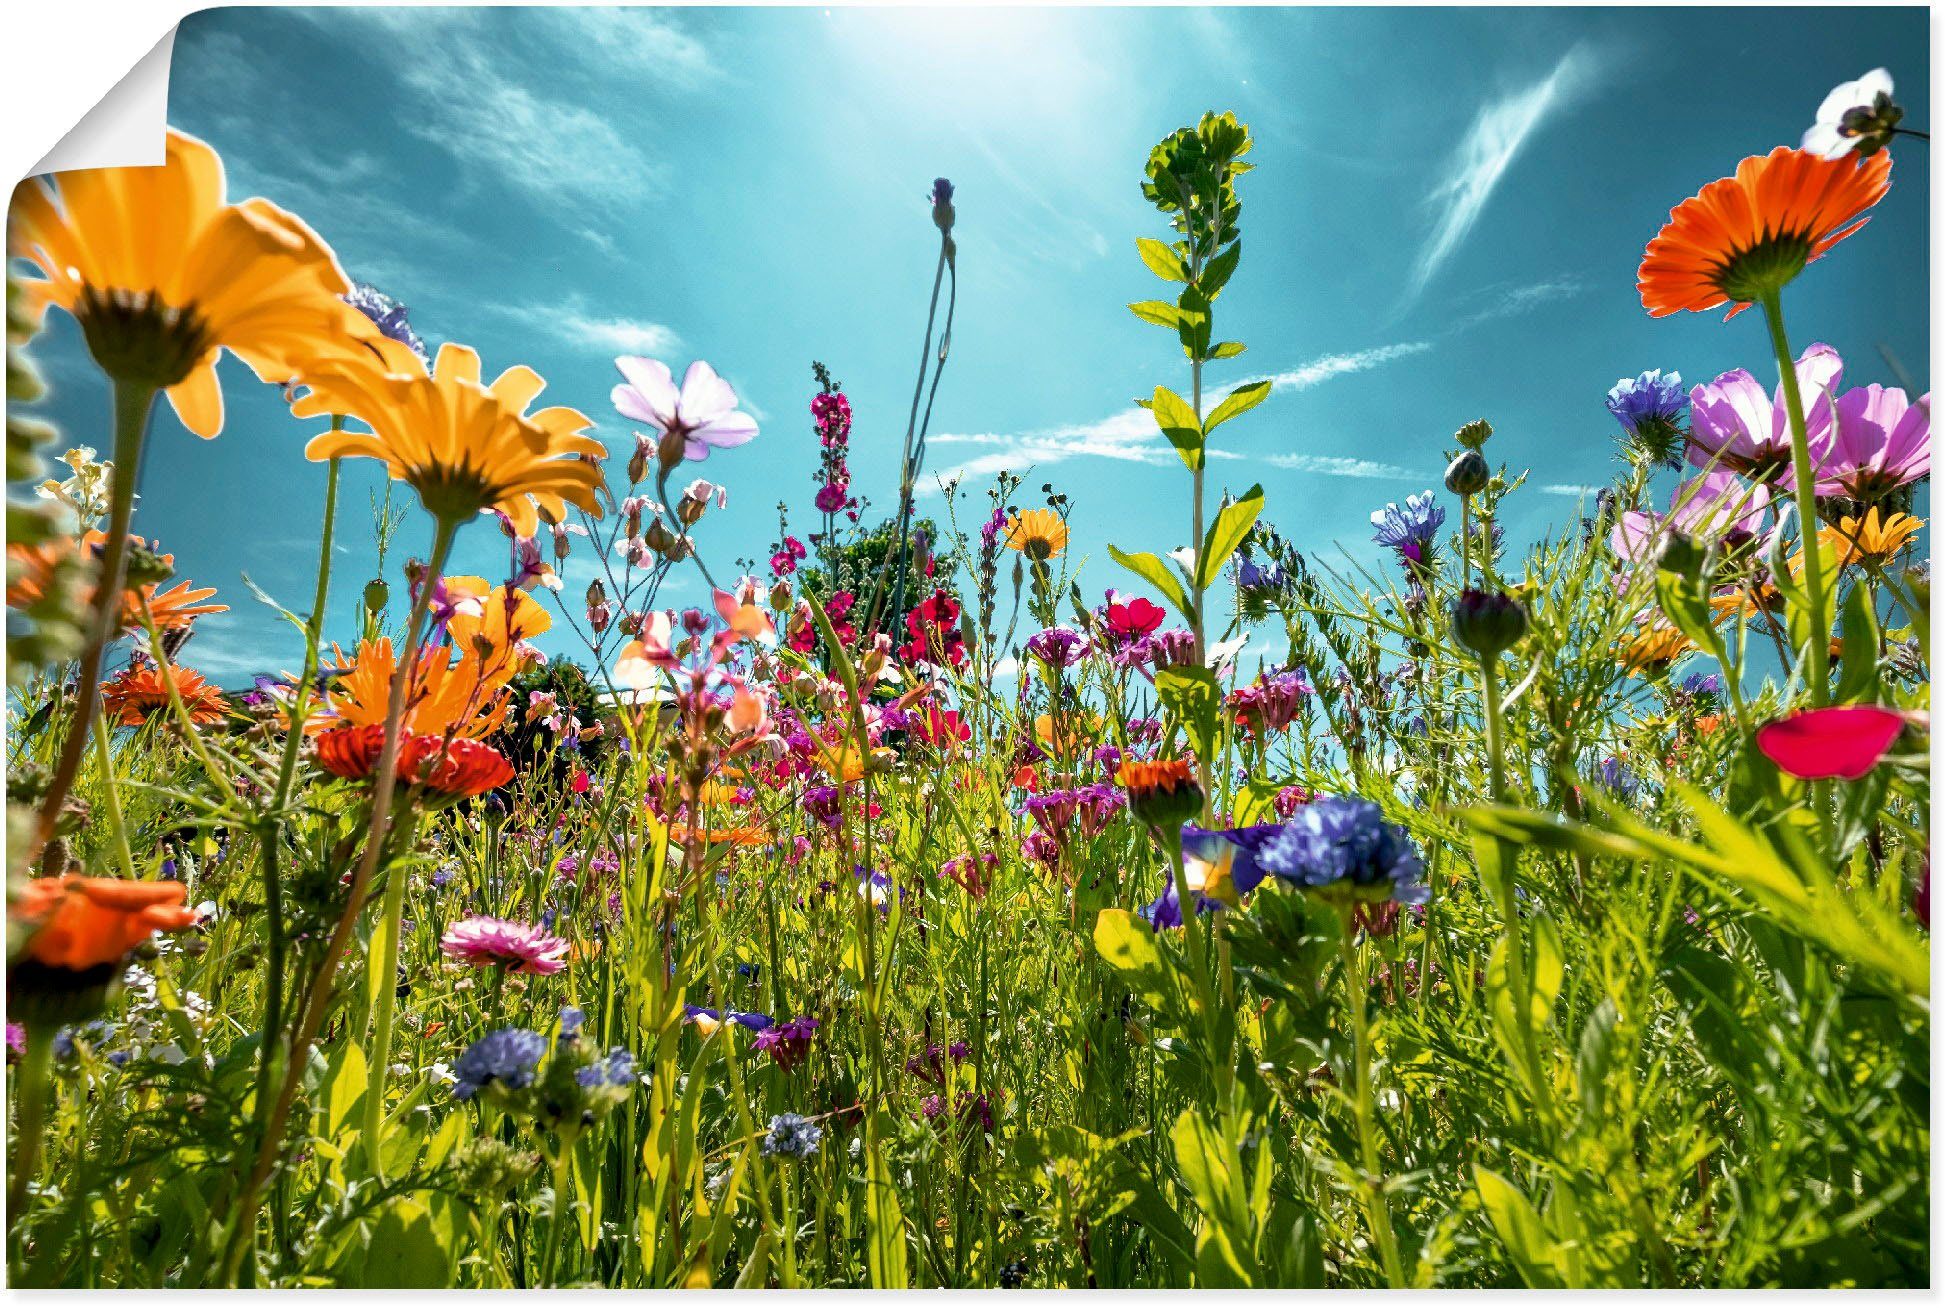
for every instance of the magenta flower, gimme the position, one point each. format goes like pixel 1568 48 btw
pixel 703 414
pixel 1844 741
pixel 495 942
pixel 1734 423
pixel 1879 442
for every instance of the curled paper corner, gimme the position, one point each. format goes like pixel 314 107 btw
pixel 128 127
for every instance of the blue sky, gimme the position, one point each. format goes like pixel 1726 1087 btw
pixel 1444 223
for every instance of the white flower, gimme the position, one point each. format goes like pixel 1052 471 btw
pixel 703 412
pixel 1830 137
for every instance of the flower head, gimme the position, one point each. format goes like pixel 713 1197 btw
pixel 507 1058
pixel 1859 115
pixel 81 923
pixel 792 1135
pixel 1739 426
pixel 690 421
pixel 1410 530
pixel 1650 408
pixel 388 315
pixel 495 942
pixel 1058 647
pixel 1160 791
pixel 1879 441
pixel 141 693
pixel 1845 741
pixel 1746 236
pixel 163 274
pixel 1037 533
pixel 1342 845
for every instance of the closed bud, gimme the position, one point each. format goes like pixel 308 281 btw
pixel 669 450
pixel 1488 622
pixel 779 596
pixel 1683 555
pixel 1475 433
pixel 1467 474
pixel 597 593
pixel 659 538
pixel 377 595
pixel 690 510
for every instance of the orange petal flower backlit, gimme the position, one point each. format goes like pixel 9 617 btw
pixel 85 922
pixel 1752 232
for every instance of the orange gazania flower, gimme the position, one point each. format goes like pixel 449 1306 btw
pixel 1746 236
pixel 140 693
pixel 501 616
pixel 1038 533
pixel 81 923
pixel 34 569
pixel 464 446
pixel 163 274
pixel 1160 791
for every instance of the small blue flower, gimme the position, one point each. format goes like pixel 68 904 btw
pixel 1344 840
pixel 387 314
pixel 509 1056
pixel 1618 781
pixel 1411 529
pixel 1651 409
pixel 792 1135
pixel 616 1071
pixel 572 1019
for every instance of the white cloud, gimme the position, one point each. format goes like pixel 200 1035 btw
pixel 1569 490
pixel 572 323
pixel 1490 145
pixel 1131 436
pixel 1511 301
pixel 1338 466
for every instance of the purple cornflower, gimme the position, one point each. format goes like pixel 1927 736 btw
pixel 1338 841
pixel 1410 530
pixel 508 1057
pixel 1260 580
pixel 792 1135
pixel 1058 647
pixel 1651 408
pixel 788 1042
pixel 387 314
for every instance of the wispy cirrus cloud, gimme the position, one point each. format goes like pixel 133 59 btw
pixel 1130 436
pixel 1509 301
pixel 572 323
pixel 1331 465
pixel 1497 134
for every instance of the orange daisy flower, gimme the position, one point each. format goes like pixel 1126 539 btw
pixel 1650 651
pixel 140 693
pixel 450 768
pixel 1038 533
pixel 745 836
pixel 34 570
pixel 82 923
pixel 1160 790
pixel 468 695
pixel 1742 237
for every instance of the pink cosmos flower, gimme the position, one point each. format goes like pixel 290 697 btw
pixel 495 942
pixel 1736 424
pixel 1718 505
pixel 702 413
pixel 1845 741
pixel 1880 441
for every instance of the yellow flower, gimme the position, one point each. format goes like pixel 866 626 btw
pixel 1871 540
pixel 462 445
pixel 163 275
pixel 492 622
pixel 1038 533
pixel 1651 650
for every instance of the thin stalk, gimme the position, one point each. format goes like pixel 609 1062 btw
pixel 132 404
pixel 30 1116
pixel 1377 1207
pixel 116 825
pixel 1806 503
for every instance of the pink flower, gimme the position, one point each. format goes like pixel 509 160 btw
pixel 495 942
pixel 1736 424
pixel 1881 441
pixel 703 414
pixel 1846 741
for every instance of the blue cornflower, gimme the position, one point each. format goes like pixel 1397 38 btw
pixel 1618 781
pixel 1409 530
pixel 387 314
pixel 572 1019
pixel 1651 408
pixel 616 1071
pixel 509 1056
pixel 1264 579
pixel 1702 685
pixel 792 1135
pixel 1344 841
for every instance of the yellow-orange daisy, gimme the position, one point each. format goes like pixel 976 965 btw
pixel 463 445
pixel 35 565
pixel 1037 533
pixel 163 274
pixel 1651 650
pixel 1742 237
pixel 140 693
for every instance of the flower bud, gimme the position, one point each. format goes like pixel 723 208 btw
pixel 942 211
pixel 1475 433
pixel 690 510
pixel 659 538
pixel 377 595
pixel 669 450
pixel 1488 623
pixel 779 596
pixel 1467 474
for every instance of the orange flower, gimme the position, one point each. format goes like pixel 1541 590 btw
pixel 1038 533
pixel 1747 236
pixel 468 697
pixel 175 607
pixel 450 768
pixel 494 621
pixel 140 693
pixel 88 922
pixel 680 835
pixel 1147 777
pixel 163 275
pixel 1651 650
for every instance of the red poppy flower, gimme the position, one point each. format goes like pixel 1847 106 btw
pixel 1846 741
pixel 1130 619
pixel 351 752
pixel 456 767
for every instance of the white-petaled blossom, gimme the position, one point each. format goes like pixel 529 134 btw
pixel 1852 114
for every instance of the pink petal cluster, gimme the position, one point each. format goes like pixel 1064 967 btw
pixel 1879 442
pixel 1845 741
pixel 702 414
pixel 495 942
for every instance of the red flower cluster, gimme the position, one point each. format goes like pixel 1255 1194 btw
pixel 452 768
pixel 934 627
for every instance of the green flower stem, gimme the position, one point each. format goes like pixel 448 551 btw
pixel 133 401
pixel 1465 542
pixel 116 825
pixel 1806 503
pixel 385 1004
pixel 31 1083
pixel 1377 1206
pixel 243 1216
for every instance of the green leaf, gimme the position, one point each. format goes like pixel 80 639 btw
pixel 1192 328
pixel 1857 676
pixel 1127 944
pixel 1227 349
pixel 1152 569
pixel 1159 312
pixel 1519 1229
pixel 884 1220
pixel 1225 534
pixel 1239 401
pixel 1161 260
pixel 1178 422
pixel 1216 274
pixel 1194 696
pixel 405 1251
